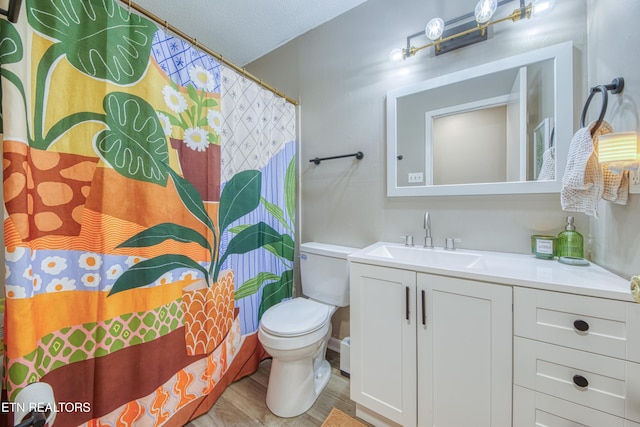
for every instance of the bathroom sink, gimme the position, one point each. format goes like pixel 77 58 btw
pixel 438 258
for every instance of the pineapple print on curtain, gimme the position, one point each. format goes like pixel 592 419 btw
pixel 136 269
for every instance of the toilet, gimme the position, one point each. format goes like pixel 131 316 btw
pixel 295 332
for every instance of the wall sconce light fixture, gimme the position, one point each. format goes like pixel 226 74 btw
pixel 619 151
pixel 446 39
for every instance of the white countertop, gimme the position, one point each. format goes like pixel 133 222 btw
pixel 514 269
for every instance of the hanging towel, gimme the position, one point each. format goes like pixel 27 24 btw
pixel 585 181
pixel 616 186
pixel 582 183
pixel 548 169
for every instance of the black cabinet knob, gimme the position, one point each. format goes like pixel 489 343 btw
pixel 580 381
pixel 581 325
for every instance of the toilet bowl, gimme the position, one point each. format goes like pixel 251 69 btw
pixel 295 332
pixel 297 343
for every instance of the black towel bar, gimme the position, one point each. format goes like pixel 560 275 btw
pixel 13 10
pixel 615 87
pixel 359 155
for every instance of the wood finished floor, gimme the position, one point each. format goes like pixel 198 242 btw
pixel 243 402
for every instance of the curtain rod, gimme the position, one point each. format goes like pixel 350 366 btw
pixel 205 49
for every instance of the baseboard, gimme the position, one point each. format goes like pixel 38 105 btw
pixel 334 344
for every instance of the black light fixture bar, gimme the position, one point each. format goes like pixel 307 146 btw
pixel 462 41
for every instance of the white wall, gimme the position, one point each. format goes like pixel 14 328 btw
pixel 613 40
pixel 340 73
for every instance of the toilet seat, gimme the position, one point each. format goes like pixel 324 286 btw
pixel 295 317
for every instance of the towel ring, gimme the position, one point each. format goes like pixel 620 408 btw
pixel 615 87
pixel 603 108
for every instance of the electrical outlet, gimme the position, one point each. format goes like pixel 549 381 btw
pixel 634 182
pixel 416 177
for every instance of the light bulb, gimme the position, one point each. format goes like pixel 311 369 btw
pixel 485 10
pixel 542 7
pixel 434 28
pixel 396 55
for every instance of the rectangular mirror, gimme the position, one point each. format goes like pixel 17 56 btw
pixel 498 128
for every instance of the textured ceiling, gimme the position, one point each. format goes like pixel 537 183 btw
pixel 245 30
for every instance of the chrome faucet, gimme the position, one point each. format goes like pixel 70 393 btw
pixel 428 241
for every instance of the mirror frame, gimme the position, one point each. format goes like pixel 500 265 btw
pixel 562 54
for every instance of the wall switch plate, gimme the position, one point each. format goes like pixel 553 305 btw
pixel 634 182
pixel 416 177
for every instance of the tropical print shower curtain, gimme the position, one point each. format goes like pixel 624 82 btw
pixel 149 215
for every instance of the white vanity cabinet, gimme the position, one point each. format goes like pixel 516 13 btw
pixel 478 338
pixel 576 360
pixel 430 350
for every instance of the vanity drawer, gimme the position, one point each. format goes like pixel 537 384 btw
pixel 597 325
pixel 531 408
pixel 613 385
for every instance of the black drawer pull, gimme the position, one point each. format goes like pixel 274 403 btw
pixel 424 308
pixel 581 325
pixel 406 302
pixel 580 381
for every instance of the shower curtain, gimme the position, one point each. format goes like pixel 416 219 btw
pixel 149 215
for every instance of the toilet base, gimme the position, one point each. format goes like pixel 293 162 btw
pixel 292 398
pixel 299 369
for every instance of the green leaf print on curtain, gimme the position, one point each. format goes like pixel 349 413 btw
pixel 10 52
pixel 105 42
pixel 134 143
pixel 10 44
pixel 277 288
pixel 275 292
pixel 240 196
pixel 100 39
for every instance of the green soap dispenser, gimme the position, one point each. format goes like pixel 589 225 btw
pixel 570 242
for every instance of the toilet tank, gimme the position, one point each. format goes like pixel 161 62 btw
pixel 324 272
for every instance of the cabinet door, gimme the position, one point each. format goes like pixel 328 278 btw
pixel 383 342
pixel 464 353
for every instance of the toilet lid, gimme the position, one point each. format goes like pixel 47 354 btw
pixel 295 317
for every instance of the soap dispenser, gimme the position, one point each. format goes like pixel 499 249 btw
pixel 570 242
